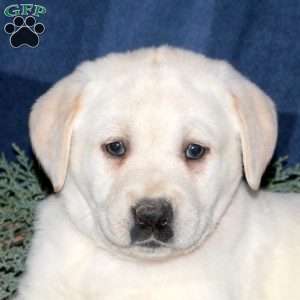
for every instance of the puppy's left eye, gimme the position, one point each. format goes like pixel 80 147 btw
pixel 194 151
pixel 116 148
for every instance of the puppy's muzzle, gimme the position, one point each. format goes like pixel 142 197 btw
pixel 152 226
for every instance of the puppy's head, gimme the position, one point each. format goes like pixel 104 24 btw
pixel 147 147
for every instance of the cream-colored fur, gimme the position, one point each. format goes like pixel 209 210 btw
pixel 230 240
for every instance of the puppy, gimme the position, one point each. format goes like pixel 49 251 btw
pixel 146 152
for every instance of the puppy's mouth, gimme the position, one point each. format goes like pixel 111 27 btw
pixel 152 249
pixel 151 244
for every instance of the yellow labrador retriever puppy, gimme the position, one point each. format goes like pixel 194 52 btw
pixel 146 151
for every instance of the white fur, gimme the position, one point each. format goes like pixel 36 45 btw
pixel 230 241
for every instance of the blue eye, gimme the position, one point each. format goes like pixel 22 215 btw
pixel 194 151
pixel 116 148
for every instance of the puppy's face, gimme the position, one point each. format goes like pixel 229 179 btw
pixel 155 152
pixel 157 160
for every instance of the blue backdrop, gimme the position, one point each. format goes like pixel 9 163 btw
pixel 260 38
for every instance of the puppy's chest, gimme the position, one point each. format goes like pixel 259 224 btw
pixel 175 291
pixel 153 290
pixel 131 282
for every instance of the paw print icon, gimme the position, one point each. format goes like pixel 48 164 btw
pixel 24 32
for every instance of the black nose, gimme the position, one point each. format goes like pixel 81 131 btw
pixel 153 213
pixel 152 217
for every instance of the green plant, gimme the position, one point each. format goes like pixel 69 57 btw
pixel 282 178
pixel 20 191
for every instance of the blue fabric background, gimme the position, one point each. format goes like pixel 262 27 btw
pixel 260 38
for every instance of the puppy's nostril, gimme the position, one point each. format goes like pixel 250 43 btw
pixel 163 223
pixel 140 222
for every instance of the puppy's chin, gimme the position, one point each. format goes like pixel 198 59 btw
pixel 161 253
pixel 150 253
pixel 141 252
pixel 154 253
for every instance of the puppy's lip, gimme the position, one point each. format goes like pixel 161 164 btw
pixel 150 243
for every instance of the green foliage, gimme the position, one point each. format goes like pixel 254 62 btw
pixel 281 178
pixel 20 191
pixel 22 187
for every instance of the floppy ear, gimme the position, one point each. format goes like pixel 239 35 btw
pixel 257 121
pixel 50 123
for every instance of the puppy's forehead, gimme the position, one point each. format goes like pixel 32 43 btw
pixel 156 93
pixel 152 99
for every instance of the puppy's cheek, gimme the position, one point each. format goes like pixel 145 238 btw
pixel 81 216
pixel 187 223
pixel 115 219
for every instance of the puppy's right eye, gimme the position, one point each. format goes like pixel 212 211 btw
pixel 116 148
pixel 195 151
